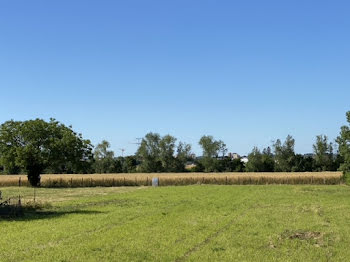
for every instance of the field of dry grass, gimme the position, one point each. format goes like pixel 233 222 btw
pixel 167 179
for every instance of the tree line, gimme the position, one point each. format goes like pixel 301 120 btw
pixel 36 146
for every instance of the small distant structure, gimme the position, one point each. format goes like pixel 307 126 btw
pixel 234 156
pixel 122 150
pixel 244 159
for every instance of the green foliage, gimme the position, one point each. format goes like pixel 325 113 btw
pixel 323 153
pixel 104 158
pixel 303 164
pixel 343 141
pixel 37 145
pixel 126 164
pixel 157 154
pixel 346 178
pixel 284 155
pixel 229 165
pixel 211 149
pixel 260 162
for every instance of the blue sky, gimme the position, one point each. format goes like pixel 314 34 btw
pixel 246 72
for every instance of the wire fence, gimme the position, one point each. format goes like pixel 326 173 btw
pixel 73 182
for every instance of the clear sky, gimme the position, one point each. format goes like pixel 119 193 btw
pixel 247 72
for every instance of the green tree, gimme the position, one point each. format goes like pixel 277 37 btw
pixel 162 154
pixel 37 145
pixel 149 153
pixel 260 161
pixel 323 153
pixel 211 149
pixel 9 142
pixel 284 154
pixel 130 164
pixel 343 141
pixel 268 160
pixel 104 158
pixel 166 153
pixel 254 163
pixel 303 164
pixel 229 165
pixel 183 154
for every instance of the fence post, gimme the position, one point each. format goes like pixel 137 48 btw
pixel 19 181
pixel 226 180
pixel 124 181
pixel 82 182
pixel 34 193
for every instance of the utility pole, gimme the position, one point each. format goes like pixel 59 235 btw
pixel 123 150
pixel 139 140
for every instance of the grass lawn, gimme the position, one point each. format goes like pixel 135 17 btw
pixel 189 223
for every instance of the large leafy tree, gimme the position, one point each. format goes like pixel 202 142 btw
pixel 254 163
pixel 149 153
pixel 104 158
pixel 9 141
pixel 211 149
pixel 323 153
pixel 167 153
pixel 162 154
pixel 37 145
pixel 343 141
pixel 284 154
pixel 183 154
pixel 260 161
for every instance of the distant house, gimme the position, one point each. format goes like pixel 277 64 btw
pixel 234 156
pixel 244 159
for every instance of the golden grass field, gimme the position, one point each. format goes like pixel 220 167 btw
pixel 167 179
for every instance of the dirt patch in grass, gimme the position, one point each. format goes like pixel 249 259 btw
pixel 305 235
pixel 315 238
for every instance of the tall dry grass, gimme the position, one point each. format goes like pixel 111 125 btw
pixel 171 179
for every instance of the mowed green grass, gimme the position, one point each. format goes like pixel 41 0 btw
pixel 189 223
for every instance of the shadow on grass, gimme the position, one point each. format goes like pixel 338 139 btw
pixel 30 213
